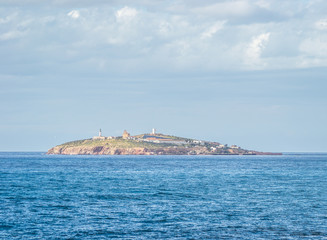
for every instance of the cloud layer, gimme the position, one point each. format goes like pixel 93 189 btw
pixel 143 36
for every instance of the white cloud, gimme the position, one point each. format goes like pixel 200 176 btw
pixel 314 47
pixel 226 9
pixel 164 28
pixel 74 14
pixel 213 29
pixel 321 24
pixel 11 35
pixel 263 4
pixel 9 18
pixel 126 14
pixel 255 49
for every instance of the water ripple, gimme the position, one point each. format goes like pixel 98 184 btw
pixel 173 197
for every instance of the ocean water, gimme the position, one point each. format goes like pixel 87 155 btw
pixel 163 197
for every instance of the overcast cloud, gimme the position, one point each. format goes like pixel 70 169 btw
pixel 131 35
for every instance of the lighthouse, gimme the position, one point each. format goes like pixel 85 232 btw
pixel 153 131
pixel 99 137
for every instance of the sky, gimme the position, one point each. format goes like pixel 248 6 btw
pixel 245 72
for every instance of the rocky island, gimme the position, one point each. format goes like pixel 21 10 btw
pixel 148 144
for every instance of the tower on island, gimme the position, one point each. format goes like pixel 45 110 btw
pixel 153 131
pixel 99 137
pixel 126 135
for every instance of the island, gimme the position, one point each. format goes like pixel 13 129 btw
pixel 148 144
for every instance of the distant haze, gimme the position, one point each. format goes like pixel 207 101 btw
pixel 250 73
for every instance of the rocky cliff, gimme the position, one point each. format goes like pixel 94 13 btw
pixel 103 150
pixel 137 146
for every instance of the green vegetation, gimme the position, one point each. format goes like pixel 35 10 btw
pixel 165 136
pixel 147 144
pixel 115 143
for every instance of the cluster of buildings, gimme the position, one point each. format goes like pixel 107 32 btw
pixel 125 135
pixel 150 137
pixel 100 137
pixel 160 138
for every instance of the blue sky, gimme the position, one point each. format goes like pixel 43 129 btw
pixel 251 73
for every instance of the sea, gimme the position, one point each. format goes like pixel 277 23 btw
pixel 163 197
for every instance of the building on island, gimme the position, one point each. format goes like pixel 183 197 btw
pixel 235 147
pixel 126 135
pixel 153 131
pixel 99 137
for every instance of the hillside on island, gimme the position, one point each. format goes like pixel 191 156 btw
pixel 148 144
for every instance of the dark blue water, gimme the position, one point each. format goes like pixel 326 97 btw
pixel 175 197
